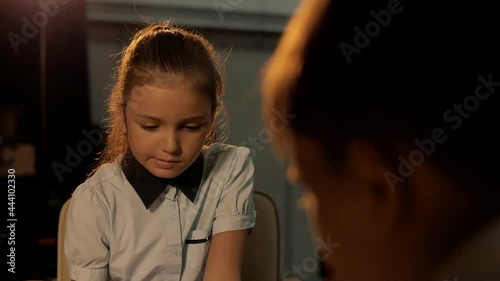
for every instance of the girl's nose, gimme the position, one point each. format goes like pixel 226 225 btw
pixel 171 143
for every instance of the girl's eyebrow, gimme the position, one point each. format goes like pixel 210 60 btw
pixel 143 116
pixel 194 118
pixel 186 120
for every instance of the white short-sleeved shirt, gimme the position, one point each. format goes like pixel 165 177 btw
pixel 126 224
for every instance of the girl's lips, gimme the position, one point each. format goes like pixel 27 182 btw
pixel 166 164
pixel 169 161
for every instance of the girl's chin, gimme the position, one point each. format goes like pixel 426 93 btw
pixel 165 174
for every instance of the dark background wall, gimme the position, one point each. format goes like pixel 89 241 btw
pixel 44 103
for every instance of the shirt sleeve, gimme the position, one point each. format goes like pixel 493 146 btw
pixel 236 210
pixel 86 241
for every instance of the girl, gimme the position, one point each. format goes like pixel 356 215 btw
pixel 168 201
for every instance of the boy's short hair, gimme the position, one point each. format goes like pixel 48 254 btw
pixel 425 73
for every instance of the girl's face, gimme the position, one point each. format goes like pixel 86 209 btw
pixel 166 125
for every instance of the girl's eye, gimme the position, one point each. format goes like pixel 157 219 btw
pixel 193 128
pixel 149 128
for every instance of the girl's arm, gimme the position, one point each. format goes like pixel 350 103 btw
pixel 225 256
pixel 234 219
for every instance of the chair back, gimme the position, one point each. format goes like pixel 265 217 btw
pixel 62 264
pixel 261 260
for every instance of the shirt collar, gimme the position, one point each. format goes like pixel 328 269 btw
pixel 149 187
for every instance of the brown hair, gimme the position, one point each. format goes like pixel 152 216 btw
pixel 156 50
pixel 398 89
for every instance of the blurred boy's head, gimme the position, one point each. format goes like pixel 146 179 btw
pixel 394 108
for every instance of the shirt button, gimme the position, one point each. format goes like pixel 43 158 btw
pixel 171 205
pixel 174 252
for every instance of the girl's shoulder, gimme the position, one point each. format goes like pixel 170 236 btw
pixel 220 151
pixel 226 160
pixel 104 180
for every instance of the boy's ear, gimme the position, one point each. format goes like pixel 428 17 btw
pixel 369 166
pixel 120 118
pixel 366 160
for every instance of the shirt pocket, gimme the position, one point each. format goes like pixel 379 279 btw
pixel 195 253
